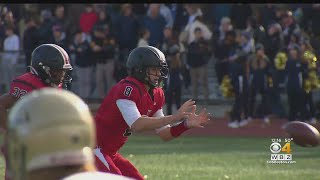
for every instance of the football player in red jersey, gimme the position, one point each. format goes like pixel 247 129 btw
pixel 49 63
pixel 135 105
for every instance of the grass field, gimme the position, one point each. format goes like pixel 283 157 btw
pixel 213 158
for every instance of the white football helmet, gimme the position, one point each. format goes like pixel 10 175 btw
pixel 96 176
pixel 49 128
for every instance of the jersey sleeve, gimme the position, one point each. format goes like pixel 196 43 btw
pixel 18 89
pixel 129 111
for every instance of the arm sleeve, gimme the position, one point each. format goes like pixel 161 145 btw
pixel 128 110
pixel 18 90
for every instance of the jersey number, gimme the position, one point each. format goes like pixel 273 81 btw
pixel 19 92
pixel 127 91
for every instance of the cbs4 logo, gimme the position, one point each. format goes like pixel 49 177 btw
pixel 276 147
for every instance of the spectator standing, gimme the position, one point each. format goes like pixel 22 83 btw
pixel 155 23
pixel 171 38
pixel 195 21
pixel 59 37
pixel 175 80
pixel 104 20
pixel 198 58
pixel 9 20
pixel 166 13
pixel 59 16
pixel 224 27
pixel 294 40
pixel 88 19
pixel 10 56
pixel 81 48
pixel 309 68
pixel 61 20
pixel 294 73
pixel 180 18
pixel 238 73
pixel 104 48
pixel 259 74
pixel 256 30
pixel 30 39
pixel 45 29
pixel 127 33
pixel 274 41
pixel 289 26
pixel 222 52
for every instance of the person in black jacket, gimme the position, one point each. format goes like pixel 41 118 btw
pixel 81 49
pixel 30 39
pixel 222 53
pixel 104 48
pixel 294 74
pixel 174 82
pixel 45 28
pixel 197 59
pixel 238 58
pixel 259 74
pixel 274 41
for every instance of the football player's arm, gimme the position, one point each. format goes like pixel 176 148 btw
pixel 168 133
pixel 163 132
pixel 6 102
pixel 138 123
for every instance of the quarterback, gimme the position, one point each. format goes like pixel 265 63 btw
pixel 135 105
pixel 49 63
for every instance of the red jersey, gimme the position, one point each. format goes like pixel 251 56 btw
pixel 111 128
pixel 25 83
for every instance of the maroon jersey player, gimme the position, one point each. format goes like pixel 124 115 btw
pixel 49 63
pixel 135 105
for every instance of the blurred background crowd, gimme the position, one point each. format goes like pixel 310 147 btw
pixel 259 51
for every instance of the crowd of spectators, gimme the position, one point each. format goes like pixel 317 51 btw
pixel 243 40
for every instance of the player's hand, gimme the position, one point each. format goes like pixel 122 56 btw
pixel 195 120
pixel 184 110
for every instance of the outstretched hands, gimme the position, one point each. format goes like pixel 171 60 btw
pixel 199 120
pixel 184 111
pixel 188 111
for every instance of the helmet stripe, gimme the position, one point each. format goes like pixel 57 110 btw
pixel 63 53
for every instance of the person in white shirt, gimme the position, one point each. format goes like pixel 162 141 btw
pixel 10 57
pixel 195 21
